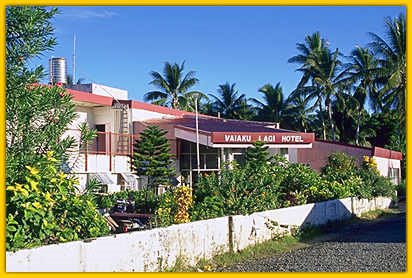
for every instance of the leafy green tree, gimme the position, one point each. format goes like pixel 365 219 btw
pixel 273 106
pixel 36 116
pixel 152 157
pixel 257 154
pixel 172 85
pixel 228 102
pixel 42 203
pixel 188 100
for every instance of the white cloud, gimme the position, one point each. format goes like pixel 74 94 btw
pixel 81 13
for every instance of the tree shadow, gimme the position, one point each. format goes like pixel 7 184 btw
pixel 321 225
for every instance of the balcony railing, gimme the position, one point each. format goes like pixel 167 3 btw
pixel 109 143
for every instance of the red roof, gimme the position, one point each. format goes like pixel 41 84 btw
pixel 225 125
pixel 385 153
pixel 91 98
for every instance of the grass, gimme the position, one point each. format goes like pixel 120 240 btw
pixel 260 250
pixel 379 213
pixel 301 238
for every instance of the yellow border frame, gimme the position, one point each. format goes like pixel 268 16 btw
pixel 189 3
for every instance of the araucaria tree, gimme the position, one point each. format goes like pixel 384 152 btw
pixel 257 154
pixel 152 157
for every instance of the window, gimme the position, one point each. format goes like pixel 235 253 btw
pixel 394 175
pixel 239 158
pixel 284 151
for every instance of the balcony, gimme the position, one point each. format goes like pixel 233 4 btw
pixel 109 143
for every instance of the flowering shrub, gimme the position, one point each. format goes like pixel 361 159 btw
pixel 183 198
pixel 370 162
pixel 167 207
pixel 46 209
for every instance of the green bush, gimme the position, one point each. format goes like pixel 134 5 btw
pixel 45 209
pixel 166 210
pixel 340 167
pixel 401 188
pixel 298 181
pixel 376 184
pixel 241 190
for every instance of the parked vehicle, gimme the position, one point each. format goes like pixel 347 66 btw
pixel 122 217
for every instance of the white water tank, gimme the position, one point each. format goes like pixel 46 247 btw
pixel 57 70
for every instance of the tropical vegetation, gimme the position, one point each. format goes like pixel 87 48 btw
pixel 43 204
pixel 360 99
pixel 357 99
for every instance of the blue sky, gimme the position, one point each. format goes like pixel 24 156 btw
pixel 249 46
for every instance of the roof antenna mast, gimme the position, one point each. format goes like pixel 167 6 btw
pixel 74 57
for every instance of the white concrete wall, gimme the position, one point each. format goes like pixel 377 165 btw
pixel 121 164
pixel 261 226
pixel 157 249
pixel 98 163
pixel 151 250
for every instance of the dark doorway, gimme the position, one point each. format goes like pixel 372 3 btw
pixel 101 139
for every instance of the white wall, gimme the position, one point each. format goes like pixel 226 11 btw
pixel 385 163
pixel 157 249
pixel 104 116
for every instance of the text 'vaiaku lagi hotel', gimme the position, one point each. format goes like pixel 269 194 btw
pixel 119 121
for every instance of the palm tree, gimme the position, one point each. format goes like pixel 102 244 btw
pixel 313 45
pixel 187 101
pixel 322 66
pixel 326 77
pixel 361 71
pixel 273 104
pixel 245 111
pixel 392 59
pixel 298 113
pixel 229 101
pixel 172 85
pixel 309 51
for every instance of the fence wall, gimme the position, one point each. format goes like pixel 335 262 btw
pixel 158 249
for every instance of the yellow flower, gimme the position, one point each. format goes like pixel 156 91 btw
pixel 32 170
pixel 37 205
pixel 19 187
pixel 48 198
pixel 10 188
pixel 50 156
pixel 62 176
pixel 33 184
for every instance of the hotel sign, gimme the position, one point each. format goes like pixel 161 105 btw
pixel 267 138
